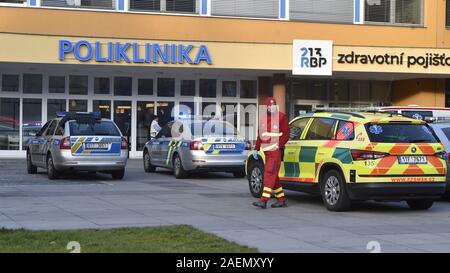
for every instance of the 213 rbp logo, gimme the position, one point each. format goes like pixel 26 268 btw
pixel 311 57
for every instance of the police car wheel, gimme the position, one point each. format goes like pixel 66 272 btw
pixel 31 169
pixel 334 192
pixel 117 175
pixel 255 178
pixel 178 170
pixel 148 167
pixel 420 204
pixel 52 173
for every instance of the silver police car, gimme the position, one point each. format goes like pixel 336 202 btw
pixel 197 146
pixel 78 142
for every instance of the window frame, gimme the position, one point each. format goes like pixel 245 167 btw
pixel 332 129
pixel 390 23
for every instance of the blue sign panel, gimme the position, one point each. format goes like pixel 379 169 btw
pixel 116 52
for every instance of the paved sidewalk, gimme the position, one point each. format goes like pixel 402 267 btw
pixel 216 203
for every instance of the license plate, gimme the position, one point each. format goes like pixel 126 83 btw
pixel 96 146
pixel 412 159
pixel 225 146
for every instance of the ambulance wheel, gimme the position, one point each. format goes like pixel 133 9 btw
pixel 148 167
pixel 420 204
pixel 118 175
pixel 255 178
pixel 178 170
pixel 52 173
pixel 239 174
pixel 334 191
pixel 31 169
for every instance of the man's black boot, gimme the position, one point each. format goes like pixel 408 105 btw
pixel 279 204
pixel 260 204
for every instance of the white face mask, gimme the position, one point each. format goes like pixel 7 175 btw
pixel 272 108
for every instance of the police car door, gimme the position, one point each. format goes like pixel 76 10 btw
pixel 290 167
pixel 45 142
pixel 34 145
pixel 166 146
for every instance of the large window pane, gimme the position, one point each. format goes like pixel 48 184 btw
pixel 186 110
pixel 122 117
pixel 102 86
pixel 56 84
pixel 229 89
pixel 394 11
pixel 10 83
pixel 122 86
pixel 145 115
pixel 309 90
pixel 95 4
pixel 248 121
pixel 54 106
pixel 9 124
pixel 145 5
pixel 32 119
pixel 164 112
pixel 229 112
pixel 166 87
pixel 209 109
pixel 339 91
pixel 208 88
pixel 187 88
pixel 408 12
pixel 180 5
pixel 248 89
pixel 145 87
pixel 78 105
pixel 78 85
pixel 103 107
pixel 13 1
pixel 32 83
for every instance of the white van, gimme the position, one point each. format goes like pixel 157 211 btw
pixel 418 112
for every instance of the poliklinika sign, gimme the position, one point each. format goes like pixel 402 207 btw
pixel 116 52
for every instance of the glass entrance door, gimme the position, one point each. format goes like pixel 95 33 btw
pixel 122 117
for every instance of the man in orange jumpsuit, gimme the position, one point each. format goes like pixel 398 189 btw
pixel 273 134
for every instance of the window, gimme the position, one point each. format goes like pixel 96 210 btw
pixel 94 4
pixel 321 129
pixel 309 89
pixel 297 127
pixel 44 128
pixel 78 105
pixel 13 1
pixel 145 113
pixel 187 88
pixel 32 83
pixel 229 89
pixel 247 8
pixel 248 123
pixel 394 11
pixel 208 88
pixel 102 86
pixel 122 86
pixel 248 89
pixel 60 129
pixel 10 83
pixel 166 131
pixel 103 107
pixel 187 6
pixel 103 128
pixel 345 131
pixel 56 84
pixel 54 106
pixel 166 87
pixel 447 14
pixel 181 5
pixel 340 11
pixel 400 133
pixel 9 123
pixel 209 109
pixel 32 119
pixel 165 112
pixel 145 87
pixel 78 85
pixel 51 128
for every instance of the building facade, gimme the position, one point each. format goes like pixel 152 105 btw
pixel 134 59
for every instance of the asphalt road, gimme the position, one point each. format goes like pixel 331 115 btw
pixel 216 203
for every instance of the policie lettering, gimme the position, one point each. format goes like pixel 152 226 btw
pixel 312 57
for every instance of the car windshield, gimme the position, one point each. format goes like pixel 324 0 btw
pixel 102 128
pixel 400 133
